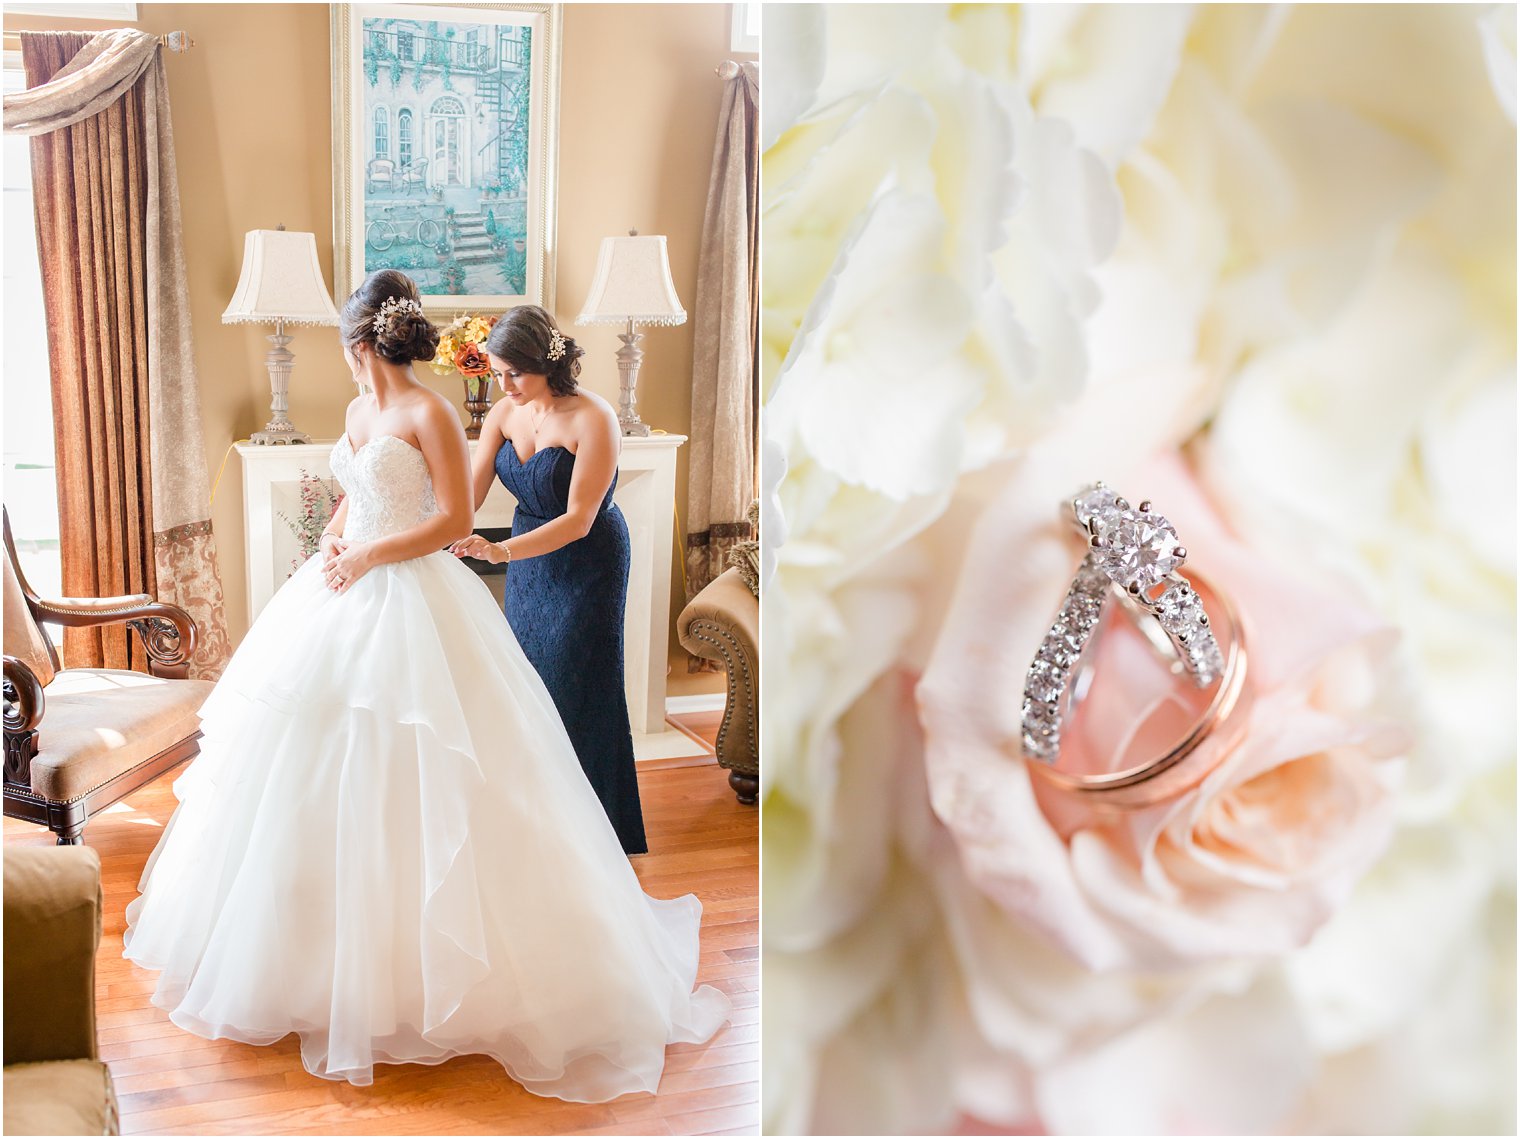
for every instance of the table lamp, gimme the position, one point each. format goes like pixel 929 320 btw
pixel 281 284
pixel 632 285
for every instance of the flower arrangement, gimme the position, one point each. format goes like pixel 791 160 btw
pixel 319 502
pixel 461 348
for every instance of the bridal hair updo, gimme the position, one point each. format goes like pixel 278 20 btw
pixel 527 338
pixel 386 311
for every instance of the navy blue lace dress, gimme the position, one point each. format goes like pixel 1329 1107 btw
pixel 566 609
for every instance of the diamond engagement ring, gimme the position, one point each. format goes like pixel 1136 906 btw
pixel 1132 564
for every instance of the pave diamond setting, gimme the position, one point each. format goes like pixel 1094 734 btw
pixel 1049 678
pixel 1181 614
pixel 1134 551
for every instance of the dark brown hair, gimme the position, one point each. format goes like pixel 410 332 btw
pixel 407 335
pixel 523 338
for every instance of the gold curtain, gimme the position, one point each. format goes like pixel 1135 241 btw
pixel 133 492
pixel 90 192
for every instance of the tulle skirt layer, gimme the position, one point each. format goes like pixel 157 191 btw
pixel 388 846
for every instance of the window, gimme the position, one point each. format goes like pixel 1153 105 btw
pixel 744 26
pixel 31 493
pixel 404 136
pixel 404 42
pixel 382 133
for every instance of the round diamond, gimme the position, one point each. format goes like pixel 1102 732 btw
pixel 1045 682
pixel 1057 653
pixel 1178 609
pixel 1137 549
pixel 1040 746
pixel 1095 502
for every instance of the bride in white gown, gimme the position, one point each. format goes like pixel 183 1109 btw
pixel 387 844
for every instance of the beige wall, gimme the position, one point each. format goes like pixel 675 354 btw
pixel 253 135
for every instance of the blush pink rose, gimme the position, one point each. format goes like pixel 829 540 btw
pixel 1247 864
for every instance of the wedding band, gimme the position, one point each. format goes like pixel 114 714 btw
pixel 1133 561
pixel 1187 761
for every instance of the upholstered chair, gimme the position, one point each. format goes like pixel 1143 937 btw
pixel 722 623
pixel 381 174
pixel 79 739
pixel 55 1083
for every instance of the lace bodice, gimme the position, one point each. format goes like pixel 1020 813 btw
pixel 388 486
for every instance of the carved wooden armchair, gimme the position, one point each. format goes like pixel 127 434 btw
pixel 722 623
pixel 79 739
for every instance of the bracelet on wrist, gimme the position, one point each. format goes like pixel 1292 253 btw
pixel 506 549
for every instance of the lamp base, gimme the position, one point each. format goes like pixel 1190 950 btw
pixel 279 360
pixel 279 433
pixel 629 357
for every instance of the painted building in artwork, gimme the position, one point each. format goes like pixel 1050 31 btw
pixel 446 106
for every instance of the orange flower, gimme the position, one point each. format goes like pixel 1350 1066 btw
pixel 471 361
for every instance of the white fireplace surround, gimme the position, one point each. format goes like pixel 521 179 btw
pixel 645 493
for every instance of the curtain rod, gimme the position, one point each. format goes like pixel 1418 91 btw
pixel 174 41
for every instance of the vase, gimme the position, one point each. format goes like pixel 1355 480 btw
pixel 477 401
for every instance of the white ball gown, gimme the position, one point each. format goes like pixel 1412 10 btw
pixel 387 844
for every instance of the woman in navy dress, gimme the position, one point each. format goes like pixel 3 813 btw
pixel 555 447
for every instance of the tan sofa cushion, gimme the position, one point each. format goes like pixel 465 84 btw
pixel 60 1097
pixel 101 722
pixel 52 932
pixel 23 640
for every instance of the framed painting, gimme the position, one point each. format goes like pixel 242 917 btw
pixel 445 149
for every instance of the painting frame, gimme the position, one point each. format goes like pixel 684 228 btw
pixel 382 203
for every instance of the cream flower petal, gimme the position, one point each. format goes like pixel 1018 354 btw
pixel 1497 27
pixel 1235 1065
pixel 1104 69
pixel 796 59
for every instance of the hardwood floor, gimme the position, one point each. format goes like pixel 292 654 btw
pixel 171 1082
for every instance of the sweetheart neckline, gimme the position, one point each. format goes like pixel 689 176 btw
pixel 522 462
pixel 355 451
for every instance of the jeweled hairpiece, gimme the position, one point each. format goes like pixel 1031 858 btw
pixel 556 345
pixel 392 307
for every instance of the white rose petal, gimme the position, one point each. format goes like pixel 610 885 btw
pixel 1497 27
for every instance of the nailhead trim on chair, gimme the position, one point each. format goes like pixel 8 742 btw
pixel 44 607
pixel 698 631
pixel 27 793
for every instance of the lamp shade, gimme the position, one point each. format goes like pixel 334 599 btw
pixel 281 281
pixel 632 283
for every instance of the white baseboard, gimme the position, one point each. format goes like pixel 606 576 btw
pixel 669 744
pixel 701 702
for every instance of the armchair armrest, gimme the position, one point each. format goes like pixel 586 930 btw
pixel 24 699
pixel 722 623
pixel 167 631
pixel 52 932
pixel 24 705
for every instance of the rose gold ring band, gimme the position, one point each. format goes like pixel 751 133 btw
pixel 1188 761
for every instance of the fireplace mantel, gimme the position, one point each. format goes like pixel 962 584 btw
pixel 645 493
